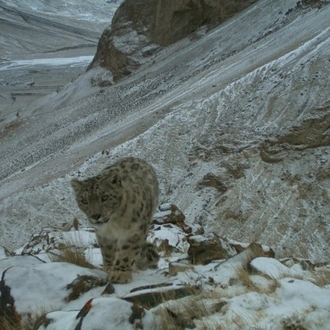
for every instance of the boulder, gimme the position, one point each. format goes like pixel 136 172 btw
pixel 47 285
pixel 203 250
pixel 141 27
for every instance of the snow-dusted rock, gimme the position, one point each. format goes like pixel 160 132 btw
pixel 101 314
pixel 169 213
pixel 47 285
pixel 169 231
pixel 295 304
pixel 203 250
pixel 153 295
pixel 13 261
pixel 272 267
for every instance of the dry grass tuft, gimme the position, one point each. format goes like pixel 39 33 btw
pixel 27 324
pixel 183 316
pixel 6 324
pixel 73 255
pixel 293 323
pixel 170 320
pixel 73 252
pixel 245 276
pixel 191 311
pixel 321 277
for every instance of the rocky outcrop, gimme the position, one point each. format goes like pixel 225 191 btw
pixel 140 27
pixel 312 132
pixel 124 44
pixel 177 19
pixel 213 279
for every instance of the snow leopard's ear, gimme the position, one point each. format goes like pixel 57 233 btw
pixel 111 179
pixel 76 185
pixel 116 180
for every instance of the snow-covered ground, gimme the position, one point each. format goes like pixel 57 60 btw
pixel 235 122
pixel 247 290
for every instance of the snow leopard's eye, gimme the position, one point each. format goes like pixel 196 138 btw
pixel 84 201
pixel 104 198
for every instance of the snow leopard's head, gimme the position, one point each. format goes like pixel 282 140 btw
pixel 99 197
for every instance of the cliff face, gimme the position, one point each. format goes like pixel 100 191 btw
pixel 140 27
pixel 124 44
pixel 176 19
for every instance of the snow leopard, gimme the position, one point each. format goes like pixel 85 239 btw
pixel 119 203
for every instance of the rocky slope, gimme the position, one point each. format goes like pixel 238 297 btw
pixel 202 282
pixel 235 123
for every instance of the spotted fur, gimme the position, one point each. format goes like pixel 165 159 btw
pixel 119 204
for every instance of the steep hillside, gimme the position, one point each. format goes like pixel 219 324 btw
pixel 235 122
pixel 57 24
pixel 44 45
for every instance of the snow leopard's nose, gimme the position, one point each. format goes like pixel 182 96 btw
pixel 96 216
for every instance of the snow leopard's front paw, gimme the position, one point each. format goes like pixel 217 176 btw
pixel 120 276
